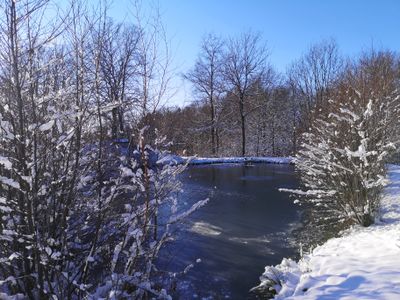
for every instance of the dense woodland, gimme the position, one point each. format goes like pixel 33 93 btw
pixel 242 106
pixel 81 217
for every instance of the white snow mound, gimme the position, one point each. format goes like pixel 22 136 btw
pixel 362 264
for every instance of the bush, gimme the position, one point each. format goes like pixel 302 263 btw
pixel 342 159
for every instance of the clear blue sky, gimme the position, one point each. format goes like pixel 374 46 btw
pixel 288 26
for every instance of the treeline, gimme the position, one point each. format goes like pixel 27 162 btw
pixel 242 106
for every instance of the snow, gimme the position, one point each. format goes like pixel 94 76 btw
pixel 192 160
pixel 4 296
pixel 194 207
pixel 171 160
pixel 5 162
pixel 9 181
pixel 47 126
pixel 224 160
pixel 364 263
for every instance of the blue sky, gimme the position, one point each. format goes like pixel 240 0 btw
pixel 289 27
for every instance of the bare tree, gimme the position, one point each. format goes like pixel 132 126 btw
pixel 313 76
pixel 118 66
pixel 153 75
pixel 207 79
pixel 245 64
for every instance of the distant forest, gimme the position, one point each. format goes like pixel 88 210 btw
pixel 242 106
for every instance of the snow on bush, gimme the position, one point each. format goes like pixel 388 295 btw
pixel 342 160
pixel 105 243
pixel 80 217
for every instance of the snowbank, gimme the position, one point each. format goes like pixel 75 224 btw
pixel 362 264
pixel 224 160
pixel 175 159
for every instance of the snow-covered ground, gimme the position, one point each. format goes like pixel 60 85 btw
pixel 362 264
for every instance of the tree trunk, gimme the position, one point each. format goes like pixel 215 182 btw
pixel 243 125
pixel 213 148
pixel 114 125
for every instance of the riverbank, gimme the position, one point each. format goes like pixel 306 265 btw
pixel 364 263
pixel 174 159
pixel 225 160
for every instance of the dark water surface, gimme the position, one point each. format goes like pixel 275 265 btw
pixel 246 225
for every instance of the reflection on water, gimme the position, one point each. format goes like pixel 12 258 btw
pixel 246 225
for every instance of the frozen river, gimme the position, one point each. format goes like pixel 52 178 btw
pixel 246 225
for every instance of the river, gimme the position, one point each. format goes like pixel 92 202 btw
pixel 246 225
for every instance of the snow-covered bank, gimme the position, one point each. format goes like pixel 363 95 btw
pixel 225 160
pixel 175 159
pixel 362 264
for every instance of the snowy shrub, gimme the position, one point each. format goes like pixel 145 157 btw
pixel 139 209
pixel 105 242
pixel 342 160
pixel 80 218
